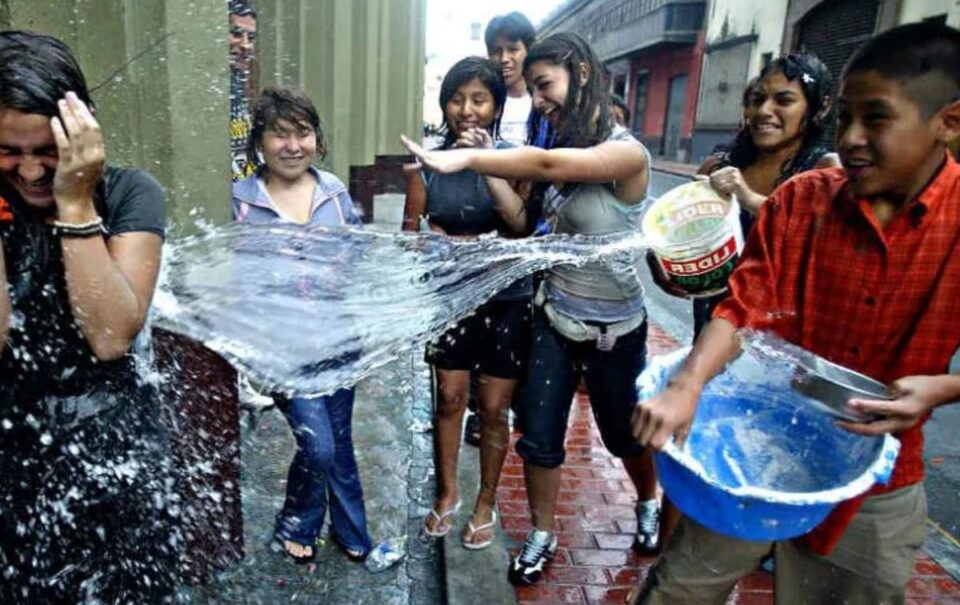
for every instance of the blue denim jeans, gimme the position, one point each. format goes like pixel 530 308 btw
pixel 553 372
pixel 323 470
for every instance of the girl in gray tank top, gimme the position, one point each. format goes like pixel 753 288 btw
pixel 589 322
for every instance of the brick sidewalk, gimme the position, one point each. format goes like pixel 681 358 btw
pixel 595 521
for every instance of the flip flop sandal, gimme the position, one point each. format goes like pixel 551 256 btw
pixel 440 517
pixel 472 531
pixel 353 554
pixel 279 546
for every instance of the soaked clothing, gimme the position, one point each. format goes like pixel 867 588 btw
pixel 323 474
pixel 576 312
pixel 807 160
pixel 460 204
pixel 87 481
pixel 604 292
pixel 820 271
pixel 493 340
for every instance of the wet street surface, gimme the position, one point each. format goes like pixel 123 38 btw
pixel 396 466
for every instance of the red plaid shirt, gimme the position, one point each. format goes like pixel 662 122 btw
pixel 820 271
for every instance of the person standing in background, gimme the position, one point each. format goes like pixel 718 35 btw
pixel 243 36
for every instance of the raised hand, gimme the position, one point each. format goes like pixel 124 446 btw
pixel 81 157
pixel 443 162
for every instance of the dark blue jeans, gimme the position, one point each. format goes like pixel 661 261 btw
pixel 324 469
pixel 554 370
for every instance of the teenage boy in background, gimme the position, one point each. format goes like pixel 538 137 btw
pixel 860 265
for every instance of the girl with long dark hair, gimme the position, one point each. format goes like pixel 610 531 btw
pixel 589 321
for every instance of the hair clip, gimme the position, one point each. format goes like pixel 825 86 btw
pixel 807 78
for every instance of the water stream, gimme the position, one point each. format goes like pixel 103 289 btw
pixel 310 309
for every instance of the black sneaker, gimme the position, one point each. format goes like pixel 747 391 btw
pixel 647 540
pixel 527 567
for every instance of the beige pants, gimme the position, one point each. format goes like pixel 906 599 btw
pixel 871 565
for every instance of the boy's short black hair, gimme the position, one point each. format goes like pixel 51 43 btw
pixel 910 52
pixel 283 103
pixel 36 71
pixel 512 26
pixel 242 8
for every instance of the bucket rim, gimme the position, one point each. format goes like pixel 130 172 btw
pixel 878 472
pixel 654 240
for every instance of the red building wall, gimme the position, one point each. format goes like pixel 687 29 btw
pixel 664 63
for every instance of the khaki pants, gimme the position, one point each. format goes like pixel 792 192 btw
pixel 870 566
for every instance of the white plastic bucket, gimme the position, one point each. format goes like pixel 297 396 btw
pixel 696 237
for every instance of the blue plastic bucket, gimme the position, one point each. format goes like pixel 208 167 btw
pixel 761 462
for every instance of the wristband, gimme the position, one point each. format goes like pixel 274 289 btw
pixel 94 227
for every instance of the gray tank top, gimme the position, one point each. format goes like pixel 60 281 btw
pixel 602 292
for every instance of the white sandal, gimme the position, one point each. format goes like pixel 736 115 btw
pixel 472 531
pixel 440 517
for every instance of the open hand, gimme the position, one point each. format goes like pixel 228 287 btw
pixel 81 156
pixel 443 162
pixel 669 414
pixel 916 396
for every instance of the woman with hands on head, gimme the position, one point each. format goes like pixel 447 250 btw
pixel 589 321
pixel 88 495
pixel 493 341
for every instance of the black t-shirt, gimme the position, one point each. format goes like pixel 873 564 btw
pixel 46 354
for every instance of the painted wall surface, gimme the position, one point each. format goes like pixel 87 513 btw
pixel 917 10
pixel 160 74
pixel 727 19
pixel 360 62
pixel 662 65
pixel 168 110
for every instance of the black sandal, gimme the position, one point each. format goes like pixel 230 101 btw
pixel 279 546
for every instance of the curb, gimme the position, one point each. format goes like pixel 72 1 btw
pixel 475 576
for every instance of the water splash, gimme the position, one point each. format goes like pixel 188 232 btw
pixel 309 309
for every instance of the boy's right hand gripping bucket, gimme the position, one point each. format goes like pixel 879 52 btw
pixel 696 237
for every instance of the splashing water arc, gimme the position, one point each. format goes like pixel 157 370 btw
pixel 343 302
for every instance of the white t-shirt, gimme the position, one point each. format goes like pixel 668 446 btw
pixel 513 124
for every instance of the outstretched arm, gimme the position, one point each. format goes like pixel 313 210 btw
pixel 620 162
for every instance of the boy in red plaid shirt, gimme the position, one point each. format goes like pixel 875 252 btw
pixel 860 265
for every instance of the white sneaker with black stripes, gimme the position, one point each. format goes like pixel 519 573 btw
pixel 527 567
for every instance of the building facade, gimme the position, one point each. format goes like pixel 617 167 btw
pixel 163 72
pixel 653 51
pixel 743 35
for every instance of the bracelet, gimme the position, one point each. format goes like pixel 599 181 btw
pixel 94 227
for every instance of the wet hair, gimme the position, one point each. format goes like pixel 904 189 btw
pixel 816 84
pixel 618 101
pixel 909 52
pixel 282 103
pixel 242 8
pixel 584 99
pixel 36 71
pixel 464 71
pixel 513 26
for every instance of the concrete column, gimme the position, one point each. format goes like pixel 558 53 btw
pixel 160 70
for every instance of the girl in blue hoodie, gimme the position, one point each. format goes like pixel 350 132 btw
pixel 286 134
